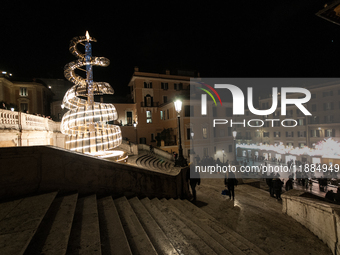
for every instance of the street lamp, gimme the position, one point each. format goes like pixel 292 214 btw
pixel 192 141
pixel 181 161
pixel 234 135
pixel 223 155
pixel 135 126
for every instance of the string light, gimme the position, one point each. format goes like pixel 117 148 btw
pixel 326 148
pixel 85 123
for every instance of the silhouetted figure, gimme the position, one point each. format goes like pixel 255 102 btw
pixel 231 182
pixel 330 196
pixel 194 179
pixel 277 187
pixel 269 182
pixel 337 196
pixel 289 184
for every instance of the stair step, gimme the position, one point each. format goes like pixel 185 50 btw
pixel 85 235
pixel 19 223
pixel 112 233
pixel 230 247
pixel 155 233
pixel 187 232
pixel 178 240
pixel 238 240
pixel 138 239
pixel 198 229
pixel 54 230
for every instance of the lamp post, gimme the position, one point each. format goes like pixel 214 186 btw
pixel 135 126
pixel 181 161
pixel 192 141
pixel 234 135
pixel 223 155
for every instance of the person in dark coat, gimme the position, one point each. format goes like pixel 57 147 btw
pixel 194 179
pixel 269 182
pixel 231 182
pixel 277 187
pixel 289 184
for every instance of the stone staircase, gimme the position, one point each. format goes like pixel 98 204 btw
pixel 154 162
pixel 69 224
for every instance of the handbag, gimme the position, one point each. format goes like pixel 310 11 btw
pixel 225 192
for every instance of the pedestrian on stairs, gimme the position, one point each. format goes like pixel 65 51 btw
pixel 194 179
pixel 231 182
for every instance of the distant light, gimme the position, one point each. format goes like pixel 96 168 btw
pixel 49 87
pixel 10 74
pixel 12 109
pixel 62 106
pixel 3 72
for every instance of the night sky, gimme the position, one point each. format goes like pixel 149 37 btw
pixel 237 39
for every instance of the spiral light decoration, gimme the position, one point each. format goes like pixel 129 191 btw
pixel 86 122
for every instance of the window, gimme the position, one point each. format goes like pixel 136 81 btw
pixel 129 118
pixel 148 101
pixel 330 132
pixel 165 99
pixel 23 92
pixel 214 149
pixel 214 111
pixel 162 115
pixel 24 107
pixel 164 85
pixel 328 106
pixel 167 113
pixel 313 120
pixel 265 134
pixel 176 86
pixel 205 152
pixel 315 133
pixel 290 144
pixel 327 93
pixel 148 117
pixel 328 119
pixel 302 145
pixel 188 133
pixel 230 148
pixel 301 122
pixel 152 138
pixel 313 96
pixel 148 85
pixel 277 134
pixel 205 133
pixel 248 135
pixel 188 110
pixel 301 133
pixel 289 134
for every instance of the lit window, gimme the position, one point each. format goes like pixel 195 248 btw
pixel 23 92
pixel 148 117
pixel 205 133
pixel 148 85
pixel 162 116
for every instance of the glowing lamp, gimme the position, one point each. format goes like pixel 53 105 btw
pixel 234 134
pixel 178 106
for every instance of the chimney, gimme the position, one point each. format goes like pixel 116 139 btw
pixel 136 69
pixel 167 72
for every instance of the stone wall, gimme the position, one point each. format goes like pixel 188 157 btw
pixel 27 170
pixel 320 217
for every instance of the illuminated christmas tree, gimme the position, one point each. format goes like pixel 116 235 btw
pixel 86 122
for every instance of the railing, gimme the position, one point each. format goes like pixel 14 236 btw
pixel 153 104
pixel 24 121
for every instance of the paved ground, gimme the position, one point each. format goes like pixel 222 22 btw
pixel 258 217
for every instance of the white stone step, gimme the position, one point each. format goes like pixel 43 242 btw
pixel 138 239
pixel 200 231
pixel 155 233
pixel 20 220
pixel 112 234
pixel 85 235
pixel 54 231
pixel 191 236
pixel 178 240
pixel 239 241
pixel 230 247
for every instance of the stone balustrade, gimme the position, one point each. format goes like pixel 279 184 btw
pixel 24 121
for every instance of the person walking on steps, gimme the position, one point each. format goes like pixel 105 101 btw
pixel 231 182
